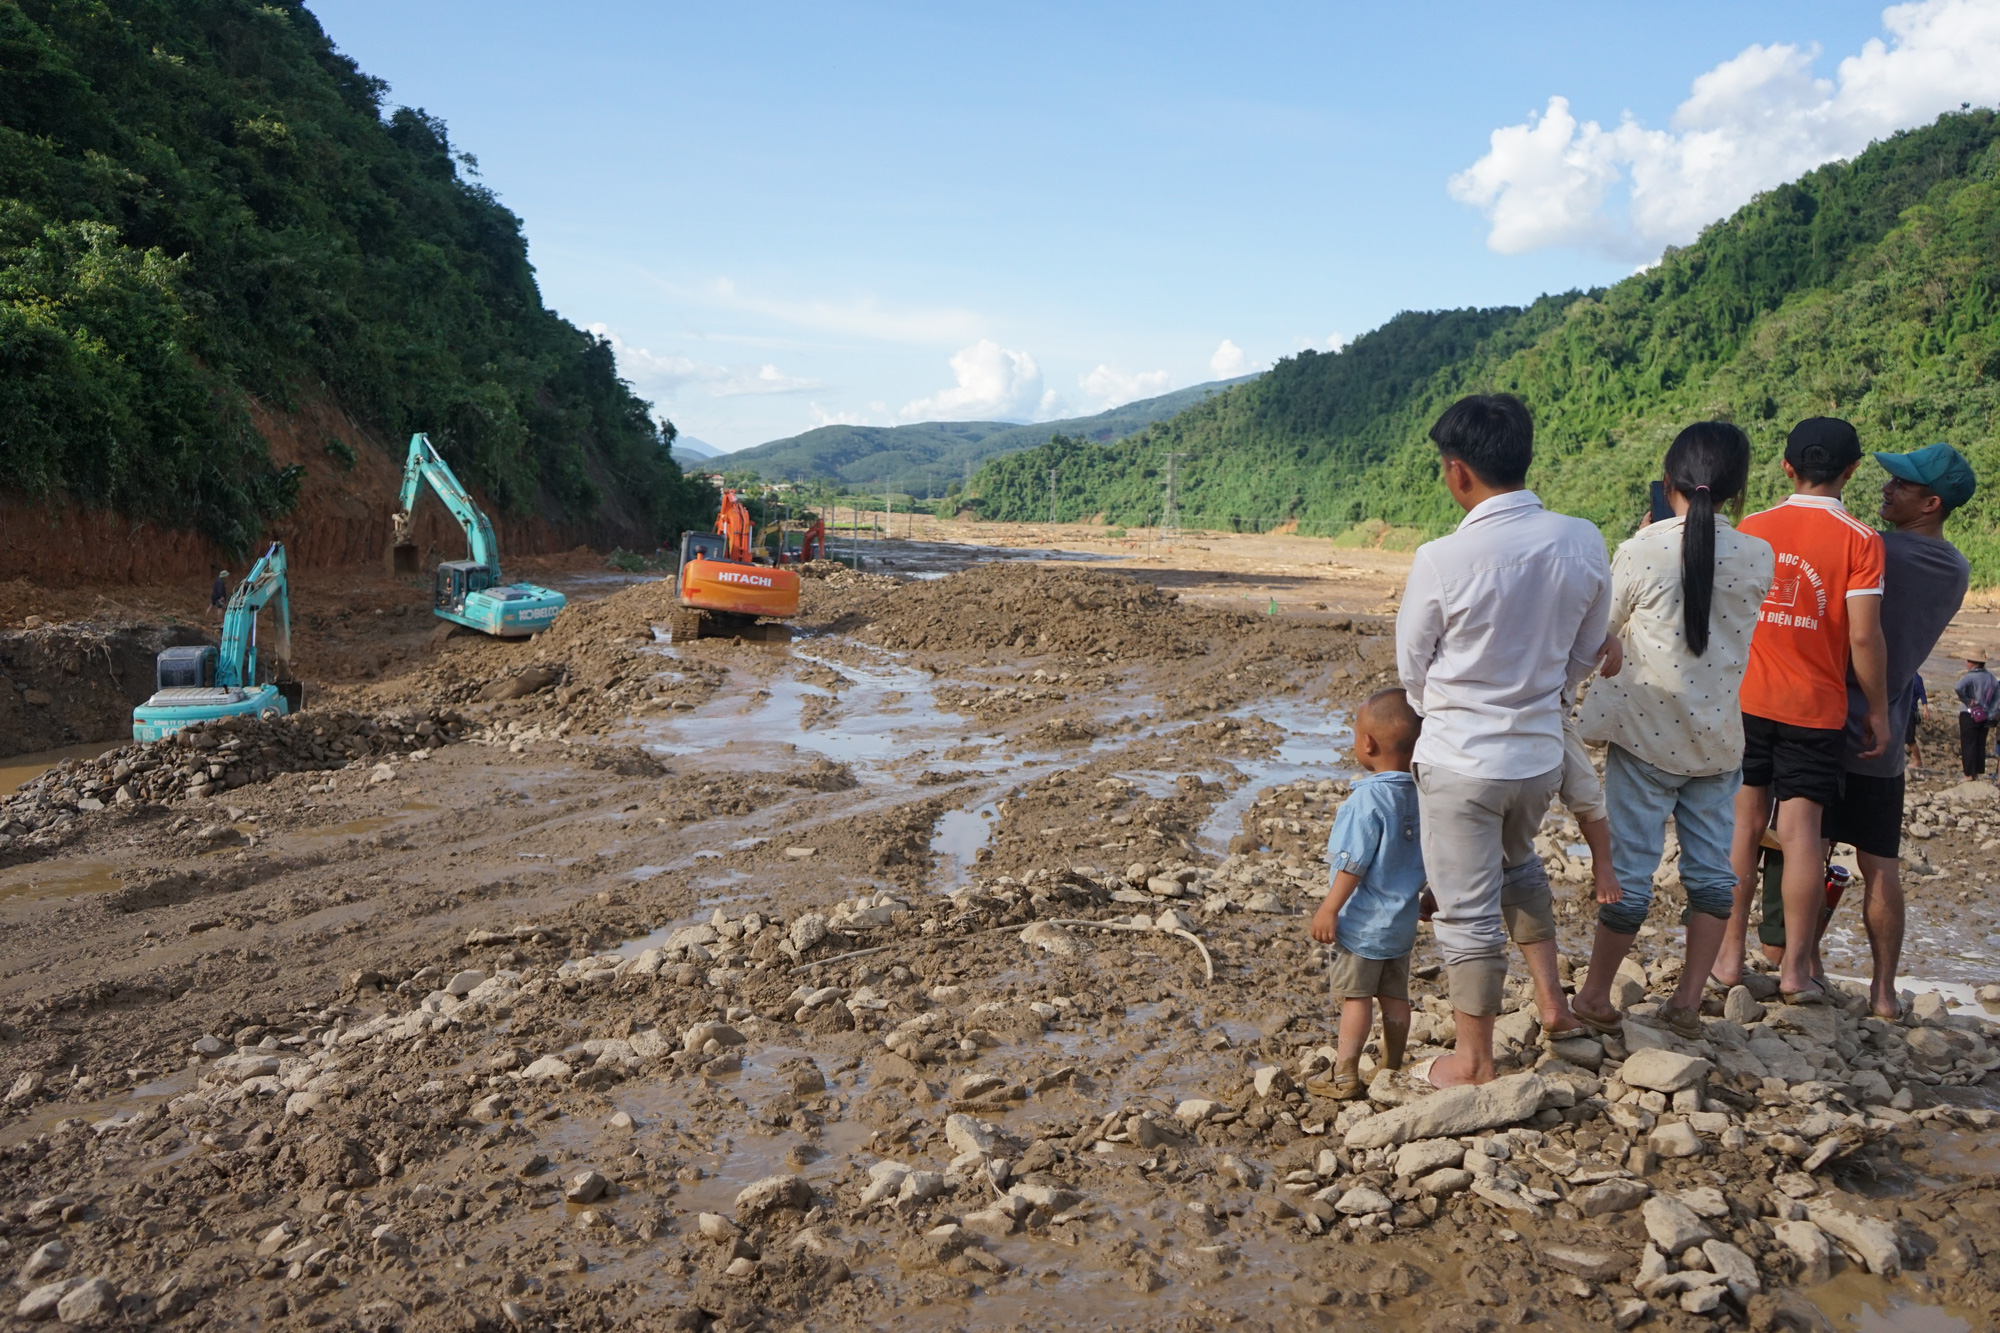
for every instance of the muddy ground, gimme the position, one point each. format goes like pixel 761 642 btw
pixel 861 982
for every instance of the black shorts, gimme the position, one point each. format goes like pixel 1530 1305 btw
pixel 1801 762
pixel 1868 816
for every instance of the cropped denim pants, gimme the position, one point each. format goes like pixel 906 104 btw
pixel 1640 797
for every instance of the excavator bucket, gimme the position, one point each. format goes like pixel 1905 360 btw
pixel 404 559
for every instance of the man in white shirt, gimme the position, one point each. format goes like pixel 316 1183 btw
pixel 1499 623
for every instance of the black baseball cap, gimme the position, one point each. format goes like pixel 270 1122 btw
pixel 1823 444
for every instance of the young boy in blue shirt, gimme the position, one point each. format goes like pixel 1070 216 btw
pixel 1375 856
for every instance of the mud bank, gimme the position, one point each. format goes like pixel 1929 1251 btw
pixel 922 973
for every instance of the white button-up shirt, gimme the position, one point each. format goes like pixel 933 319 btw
pixel 1499 621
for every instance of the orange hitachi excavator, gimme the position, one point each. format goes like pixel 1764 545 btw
pixel 723 590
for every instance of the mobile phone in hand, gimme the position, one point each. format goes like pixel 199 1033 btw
pixel 1662 511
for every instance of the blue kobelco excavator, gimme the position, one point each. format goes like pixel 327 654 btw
pixel 468 592
pixel 200 683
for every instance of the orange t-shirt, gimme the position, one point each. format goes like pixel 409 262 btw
pixel 1798 652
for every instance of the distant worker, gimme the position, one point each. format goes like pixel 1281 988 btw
pixel 1978 698
pixel 218 594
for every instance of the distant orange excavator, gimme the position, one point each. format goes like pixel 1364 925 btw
pixel 724 589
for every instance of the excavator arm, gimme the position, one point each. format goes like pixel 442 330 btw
pixel 424 465
pixel 236 662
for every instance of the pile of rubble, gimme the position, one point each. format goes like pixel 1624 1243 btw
pixel 209 758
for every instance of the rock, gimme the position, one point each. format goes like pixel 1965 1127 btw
pixel 716 1227
pixel 1584 1052
pixel 548 1067
pixel 41 1303
pixel 1663 1071
pixel 88 1302
pixel 621 1123
pixel 1597 1265
pixel 302 1104
pixel 966 1135
pixel 1427 1155
pixel 1149 1133
pixel 1519 1028
pixel 1741 1006
pixel 1050 1198
pixel 1810 1246
pixel 1263 900
pixel 701 1034
pixel 1611 1196
pixel 781 1191
pixel 1707 1201
pixel 1871 1239
pixel 1195 1110
pixel 1703 1299
pixel 920 1187
pixel 47 1258
pixel 1869 1087
pixel 1734 1267
pixel 585 1187
pixel 1672 1224
pixel 275 1239
pixel 25 1087
pixel 1629 1312
pixel 209 1046
pixel 381 773
pixel 465 982
pixel 806 931
pixel 1362 1200
pixel 1452 1112
pixel 1675 1140
pixel 1449 1180
pixel 1271 1081
pixel 1053 940
pixel 1795 1184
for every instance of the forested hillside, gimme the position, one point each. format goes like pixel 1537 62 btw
pixel 203 205
pixel 1868 289
pixel 928 457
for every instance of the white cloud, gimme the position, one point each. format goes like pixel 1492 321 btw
pixel 668 375
pixel 993 383
pixel 863 317
pixel 1753 122
pixel 1108 387
pixel 822 417
pixel 1229 360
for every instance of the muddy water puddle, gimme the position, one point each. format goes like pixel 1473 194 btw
pixel 960 838
pixel 58 879
pixel 17 771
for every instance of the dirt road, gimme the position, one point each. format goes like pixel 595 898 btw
pixel 864 982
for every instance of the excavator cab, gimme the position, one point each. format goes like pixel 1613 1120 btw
pixel 459 579
pixel 704 546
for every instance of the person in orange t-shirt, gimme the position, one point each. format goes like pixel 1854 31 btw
pixel 1824 612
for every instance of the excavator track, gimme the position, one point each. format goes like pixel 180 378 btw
pixel 685 624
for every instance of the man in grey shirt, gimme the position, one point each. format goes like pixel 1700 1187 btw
pixel 1923 579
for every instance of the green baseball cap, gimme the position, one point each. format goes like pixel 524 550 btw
pixel 1940 467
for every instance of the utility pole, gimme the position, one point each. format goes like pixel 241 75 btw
pixel 1170 520
pixel 1052 496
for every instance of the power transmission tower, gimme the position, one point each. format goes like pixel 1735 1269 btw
pixel 1170 521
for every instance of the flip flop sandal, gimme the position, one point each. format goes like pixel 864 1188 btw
pixel 1337 1089
pixel 1567 1034
pixel 1603 1027
pixel 1420 1074
pixel 1817 995
pixel 1717 987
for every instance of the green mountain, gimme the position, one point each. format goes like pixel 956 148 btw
pixel 202 205
pixel 925 458
pixel 1867 289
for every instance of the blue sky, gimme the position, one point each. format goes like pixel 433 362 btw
pixel 792 214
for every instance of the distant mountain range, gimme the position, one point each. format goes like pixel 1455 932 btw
pixel 687 446
pixel 925 458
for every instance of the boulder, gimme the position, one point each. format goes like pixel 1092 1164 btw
pixel 780 1191
pixel 41 1303
pixel 967 1135
pixel 1675 1140
pixel 88 1302
pixel 1672 1224
pixel 1611 1196
pixel 1809 1246
pixel 1452 1112
pixel 1733 1266
pixel 1870 1239
pixel 1427 1155
pixel 1362 1200
pixel 1663 1071
pixel 1596 1264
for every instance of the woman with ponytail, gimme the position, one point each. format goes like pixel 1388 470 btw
pixel 1685 597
